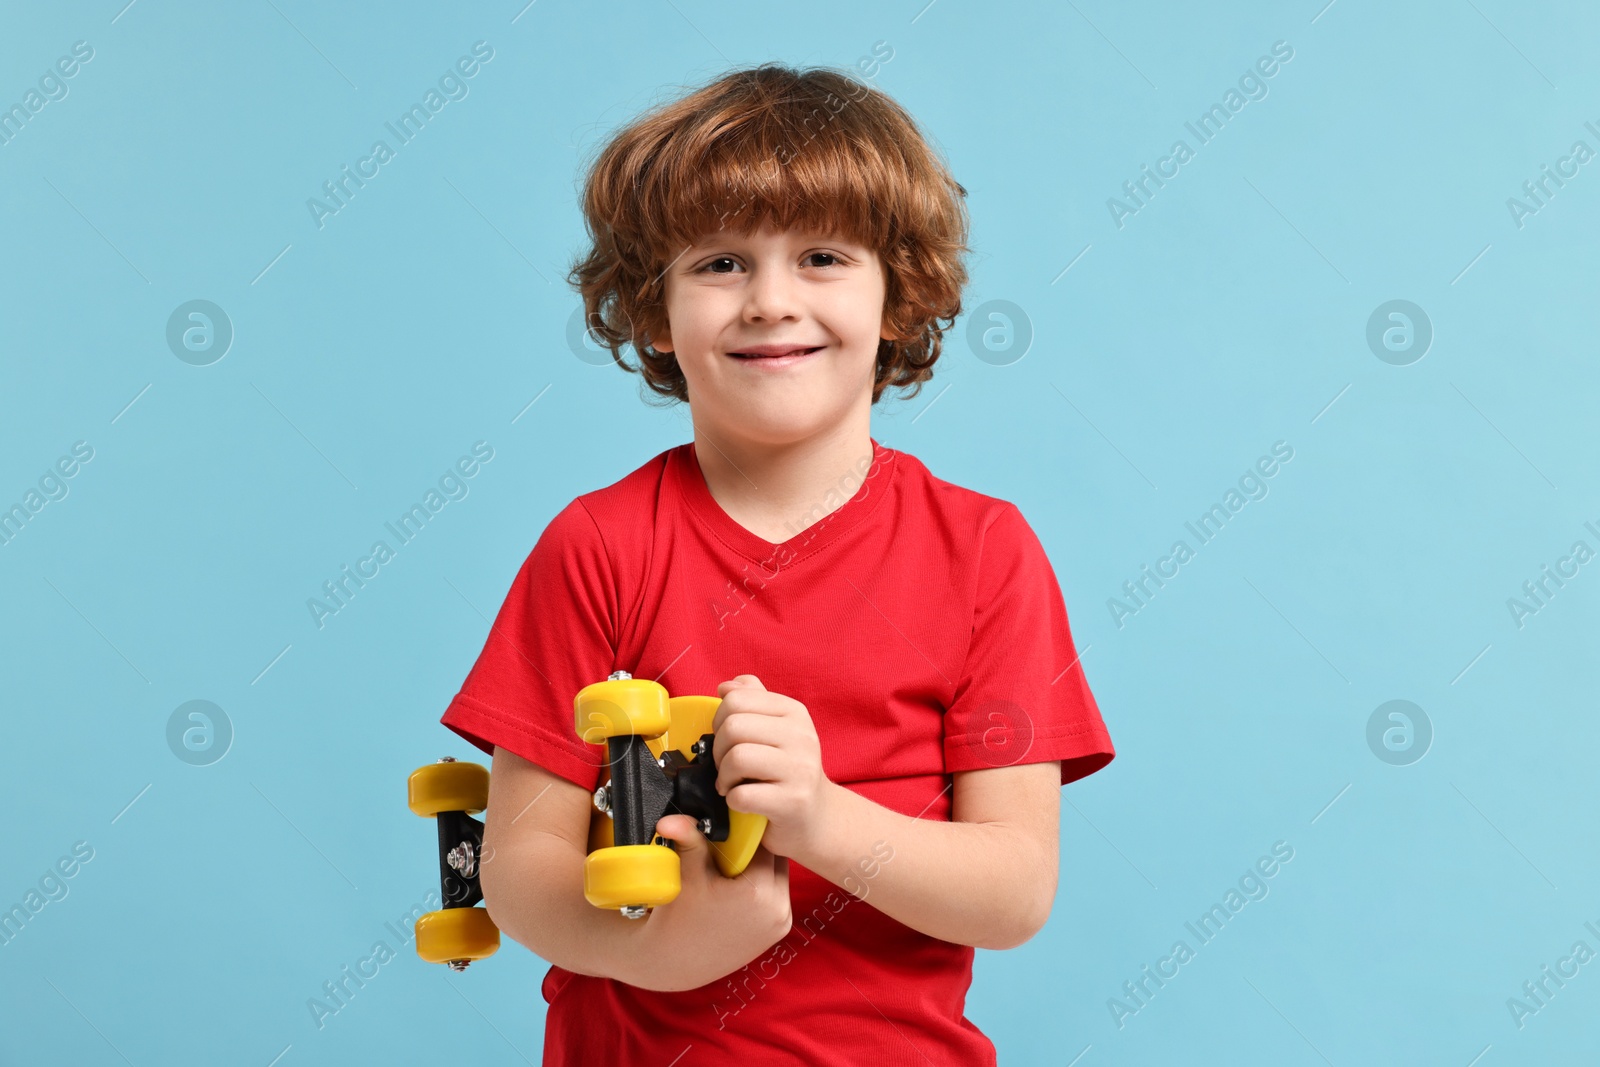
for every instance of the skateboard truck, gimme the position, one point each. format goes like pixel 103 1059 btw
pixel 460 845
pixel 645 788
pixel 635 719
pixel 461 932
pixel 656 787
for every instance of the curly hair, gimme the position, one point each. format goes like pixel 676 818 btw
pixel 815 149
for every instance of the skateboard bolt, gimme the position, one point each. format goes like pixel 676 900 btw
pixel 705 827
pixel 633 911
pixel 447 759
pixel 458 965
pixel 462 859
pixel 700 747
pixel 602 799
pixel 619 676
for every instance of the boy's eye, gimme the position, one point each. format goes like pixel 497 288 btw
pixel 713 267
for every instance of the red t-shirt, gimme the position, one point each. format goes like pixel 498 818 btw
pixel 922 627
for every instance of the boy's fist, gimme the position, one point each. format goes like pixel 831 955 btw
pixel 716 925
pixel 769 762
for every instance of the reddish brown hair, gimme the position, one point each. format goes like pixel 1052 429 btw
pixel 814 149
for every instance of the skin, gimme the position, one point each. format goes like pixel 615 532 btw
pixel 772 442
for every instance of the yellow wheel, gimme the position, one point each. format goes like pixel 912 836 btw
pixel 449 786
pixel 631 874
pixel 621 707
pixel 456 934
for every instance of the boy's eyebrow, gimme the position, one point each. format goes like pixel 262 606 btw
pixel 713 240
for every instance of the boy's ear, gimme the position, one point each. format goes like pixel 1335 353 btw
pixel 662 343
pixel 660 340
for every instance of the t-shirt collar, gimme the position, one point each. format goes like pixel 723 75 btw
pixel 862 503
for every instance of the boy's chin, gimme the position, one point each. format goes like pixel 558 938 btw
pixel 772 424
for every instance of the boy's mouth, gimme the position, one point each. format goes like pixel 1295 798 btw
pixel 755 352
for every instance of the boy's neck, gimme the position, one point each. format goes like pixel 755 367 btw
pixel 776 492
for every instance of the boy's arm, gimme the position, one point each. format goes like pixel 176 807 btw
pixel 535 839
pixel 986 879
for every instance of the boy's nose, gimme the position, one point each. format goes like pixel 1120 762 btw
pixel 771 296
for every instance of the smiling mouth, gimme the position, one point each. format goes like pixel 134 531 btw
pixel 792 354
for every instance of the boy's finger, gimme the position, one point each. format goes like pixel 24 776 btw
pixel 740 681
pixel 681 830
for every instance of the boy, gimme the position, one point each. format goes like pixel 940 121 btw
pixel 900 693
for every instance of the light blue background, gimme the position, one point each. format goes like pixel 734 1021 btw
pixel 1226 315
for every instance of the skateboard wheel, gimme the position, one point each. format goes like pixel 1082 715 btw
pixel 456 934
pixel 631 874
pixel 621 707
pixel 448 787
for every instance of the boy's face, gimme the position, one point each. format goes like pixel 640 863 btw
pixel 729 293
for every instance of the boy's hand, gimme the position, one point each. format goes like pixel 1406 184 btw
pixel 769 762
pixel 716 925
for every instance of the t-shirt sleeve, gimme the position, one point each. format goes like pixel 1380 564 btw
pixel 554 634
pixel 1022 696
